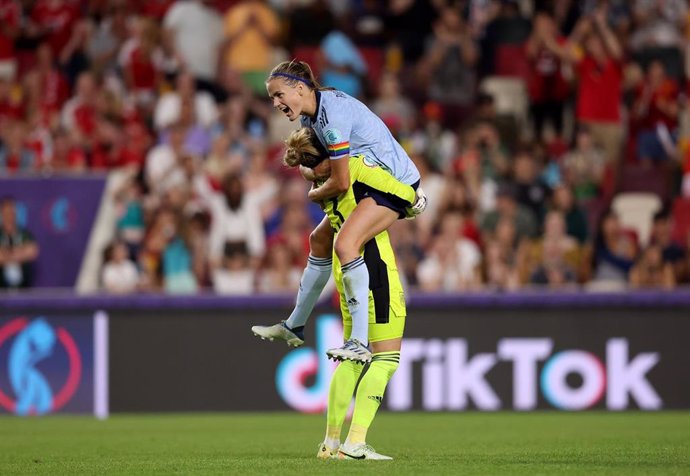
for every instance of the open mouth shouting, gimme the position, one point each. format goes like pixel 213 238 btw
pixel 286 110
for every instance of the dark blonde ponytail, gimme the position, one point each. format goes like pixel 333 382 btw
pixel 295 71
pixel 303 148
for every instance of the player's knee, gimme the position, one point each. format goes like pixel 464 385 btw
pixel 320 243
pixel 346 249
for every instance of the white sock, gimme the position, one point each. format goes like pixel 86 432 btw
pixel 356 288
pixel 314 278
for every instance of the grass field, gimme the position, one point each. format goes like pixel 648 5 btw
pixel 280 443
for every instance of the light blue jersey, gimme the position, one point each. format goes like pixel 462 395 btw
pixel 345 126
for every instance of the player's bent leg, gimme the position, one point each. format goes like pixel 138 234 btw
pixel 364 223
pixel 314 279
pixel 315 275
pixel 340 394
pixel 369 396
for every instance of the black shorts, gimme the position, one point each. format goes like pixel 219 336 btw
pixel 383 199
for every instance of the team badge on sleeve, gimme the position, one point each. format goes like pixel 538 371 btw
pixel 336 144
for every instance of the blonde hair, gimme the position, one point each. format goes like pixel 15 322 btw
pixel 295 71
pixel 303 148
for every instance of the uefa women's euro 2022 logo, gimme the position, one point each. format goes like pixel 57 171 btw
pixel 29 347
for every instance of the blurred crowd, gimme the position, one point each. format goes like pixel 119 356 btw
pixel 553 137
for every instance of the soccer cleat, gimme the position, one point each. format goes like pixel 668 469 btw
pixel 326 453
pixel 293 337
pixel 361 451
pixel 351 350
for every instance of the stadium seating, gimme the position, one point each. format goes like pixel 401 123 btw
pixel 510 95
pixel 636 211
pixel 681 219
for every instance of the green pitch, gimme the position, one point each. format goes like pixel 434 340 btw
pixel 441 443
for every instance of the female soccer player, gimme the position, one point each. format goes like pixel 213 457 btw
pixel 344 126
pixel 385 309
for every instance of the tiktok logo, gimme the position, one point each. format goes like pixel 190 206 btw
pixel 300 364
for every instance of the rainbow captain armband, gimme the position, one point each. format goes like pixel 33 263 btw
pixel 338 150
pixel 336 144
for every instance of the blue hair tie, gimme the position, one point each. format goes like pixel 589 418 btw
pixel 293 77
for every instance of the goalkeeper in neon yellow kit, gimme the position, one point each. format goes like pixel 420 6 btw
pixel 387 309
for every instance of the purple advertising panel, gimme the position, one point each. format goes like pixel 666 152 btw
pixel 53 364
pixel 59 212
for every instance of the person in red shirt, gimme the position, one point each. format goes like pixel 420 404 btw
pixel 547 87
pixel 46 87
pixel 142 62
pixel 80 113
pixel 11 102
pixel 53 20
pixel 655 114
pixel 9 29
pixel 599 71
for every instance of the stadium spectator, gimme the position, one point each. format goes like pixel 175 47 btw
pixel 66 156
pixel 18 249
pixel 250 31
pixel 343 66
pixel 142 62
pixel 235 276
pixel 563 200
pixel 309 23
pixel 53 21
pixel 502 257
pixel 46 87
pixel 11 104
pixel 448 67
pixel 658 24
pixel 119 275
pixel 107 30
pixel 130 226
pixel 453 263
pixel 163 162
pixel 10 18
pixel 547 85
pixel 671 252
pixel 651 271
pixel 554 258
pixel 194 30
pixel 483 162
pixel 235 218
pixel 531 190
pixel 15 156
pixel 583 167
pixel 279 272
pixel 396 111
pixel 80 113
pixel 599 72
pixel 655 114
pixel 507 26
pixel 615 251
pixel 507 207
pixel 169 106
pixel 176 259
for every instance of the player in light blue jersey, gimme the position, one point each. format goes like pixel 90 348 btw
pixel 345 127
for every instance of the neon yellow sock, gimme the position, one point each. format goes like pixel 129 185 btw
pixel 340 393
pixel 370 394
